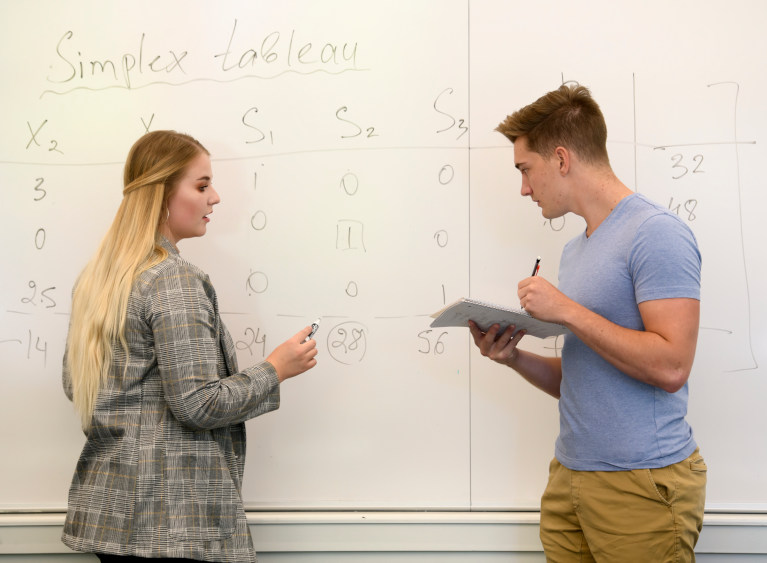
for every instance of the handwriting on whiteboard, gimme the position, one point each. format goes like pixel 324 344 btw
pixel 149 60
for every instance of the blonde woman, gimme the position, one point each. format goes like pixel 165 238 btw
pixel 152 372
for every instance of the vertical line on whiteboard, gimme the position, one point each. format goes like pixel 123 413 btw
pixel 468 212
pixel 736 144
pixel 634 103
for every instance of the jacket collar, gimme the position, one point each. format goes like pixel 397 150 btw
pixel 167 245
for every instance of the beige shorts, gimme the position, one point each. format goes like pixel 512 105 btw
pixel 644 515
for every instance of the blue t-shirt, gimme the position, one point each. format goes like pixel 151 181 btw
pixel 608 420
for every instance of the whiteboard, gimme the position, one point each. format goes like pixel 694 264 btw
pixel 362 182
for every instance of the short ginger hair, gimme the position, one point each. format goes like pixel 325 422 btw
pixel 567 117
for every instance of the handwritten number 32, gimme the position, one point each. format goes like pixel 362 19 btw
pixel 682 169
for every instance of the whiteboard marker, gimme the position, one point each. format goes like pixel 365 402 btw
pixel 315 328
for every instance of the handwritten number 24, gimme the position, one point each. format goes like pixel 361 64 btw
pixel 253 337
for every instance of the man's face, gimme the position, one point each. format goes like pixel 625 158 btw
pixel 540 179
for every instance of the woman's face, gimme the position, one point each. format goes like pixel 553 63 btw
pixel 191 202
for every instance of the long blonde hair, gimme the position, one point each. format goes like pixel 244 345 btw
pixel 130 246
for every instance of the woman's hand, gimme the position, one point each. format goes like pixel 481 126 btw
pixel 294 356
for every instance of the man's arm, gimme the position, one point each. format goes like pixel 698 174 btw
pixel 543 372
pixel 661 355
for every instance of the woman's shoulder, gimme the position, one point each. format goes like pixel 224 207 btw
pixel 173 270
pixel 172 286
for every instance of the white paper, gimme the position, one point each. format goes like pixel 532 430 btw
pixel 488 314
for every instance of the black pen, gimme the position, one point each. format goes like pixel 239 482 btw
pixel 537 266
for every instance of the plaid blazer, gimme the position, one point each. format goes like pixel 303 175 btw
pixel 160 474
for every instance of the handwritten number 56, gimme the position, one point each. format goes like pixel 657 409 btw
pixel 431 345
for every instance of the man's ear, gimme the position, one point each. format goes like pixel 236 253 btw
pixel 563 159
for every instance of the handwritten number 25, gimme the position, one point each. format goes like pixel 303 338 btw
pixel 43 297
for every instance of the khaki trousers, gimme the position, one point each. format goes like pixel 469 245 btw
pixel 642 516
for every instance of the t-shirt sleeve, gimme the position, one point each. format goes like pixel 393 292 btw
pixel 665 261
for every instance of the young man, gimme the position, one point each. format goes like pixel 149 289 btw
pixel 627 482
